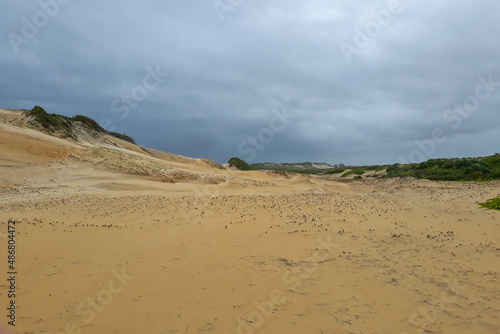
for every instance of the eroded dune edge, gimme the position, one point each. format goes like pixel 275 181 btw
pixel 115 238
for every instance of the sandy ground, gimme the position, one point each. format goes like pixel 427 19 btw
pixel 111 240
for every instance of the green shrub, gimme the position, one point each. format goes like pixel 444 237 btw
pixel 240 164
pixel 121 136
pixel 48 121
pixel 51 122
pixel 89 122
pixel 493 204
pixel 492 161
pixel 393 167
pixel 465 169
pixel 54 122
pixel 477 168
pixel 375 168
pixel 335 171
pixel 359 171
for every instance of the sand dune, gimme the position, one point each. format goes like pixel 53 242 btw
pixel 115 239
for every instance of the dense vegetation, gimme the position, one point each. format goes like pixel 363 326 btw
pixel 358 172
pixel 240 164
pixel 465 169
pixel 52 122
pixel 65 125
pixel 335 171
pixel 299 167
pixel 493 203
pixel 454 169
pixel 121 136
pixel 292 170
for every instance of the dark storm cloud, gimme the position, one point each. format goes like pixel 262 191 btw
pixel 226 78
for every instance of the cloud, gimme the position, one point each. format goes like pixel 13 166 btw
pixel 227 77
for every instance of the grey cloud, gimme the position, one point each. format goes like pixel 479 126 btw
pixel 226 77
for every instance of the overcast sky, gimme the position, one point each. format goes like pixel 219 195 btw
pixel 353 82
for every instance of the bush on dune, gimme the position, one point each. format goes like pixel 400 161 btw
pixel 465 169
pixel 240 164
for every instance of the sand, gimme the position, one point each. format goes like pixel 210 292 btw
pixel 113 240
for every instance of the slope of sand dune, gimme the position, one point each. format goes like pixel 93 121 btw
pixel 113 240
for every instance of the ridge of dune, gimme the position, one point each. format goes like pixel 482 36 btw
pixel 16 124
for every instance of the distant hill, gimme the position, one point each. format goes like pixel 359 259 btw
pixel 298 167
pixel 450 169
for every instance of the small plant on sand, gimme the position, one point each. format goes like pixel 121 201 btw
pixel 493 204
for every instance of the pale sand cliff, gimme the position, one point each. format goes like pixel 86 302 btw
pixel 113 239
